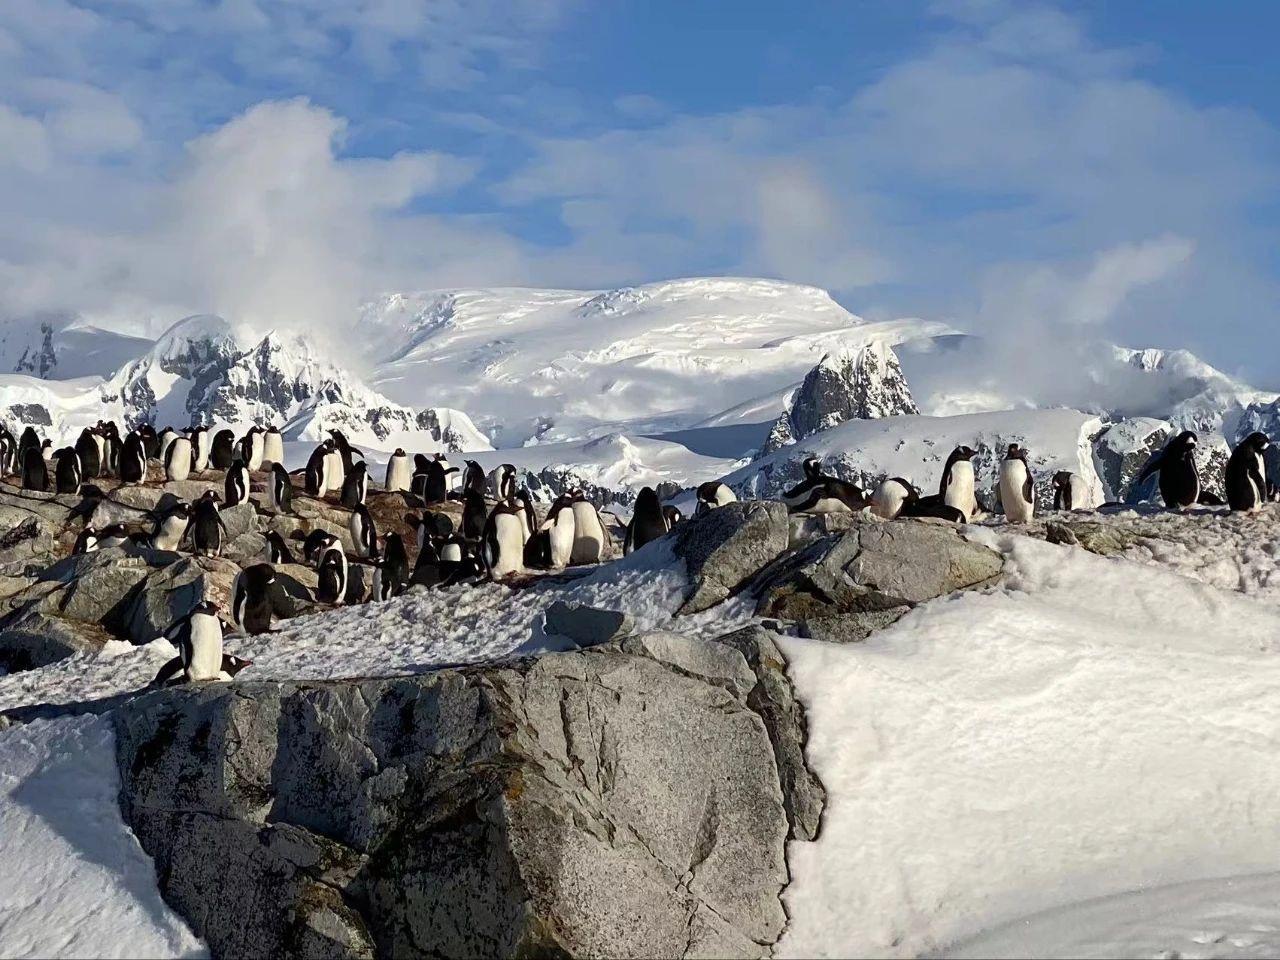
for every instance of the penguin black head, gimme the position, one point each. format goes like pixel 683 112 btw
pixel 1061 479
pixel 231 664
pixel 1256 441
pixel 206 607
pixel 399 452
pixel 260 575
pixel 964 452
pixel 1016 453
pixel 812 467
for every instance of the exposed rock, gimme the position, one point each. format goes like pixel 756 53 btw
pixel 807 527
pixel 173 591
pixel 603 802
pixel 724 548
pixel 586 625
pixel 32 638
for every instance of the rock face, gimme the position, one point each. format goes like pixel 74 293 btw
pixel 865 384
pixel 844 586
pixel 619 801
pixel 724 548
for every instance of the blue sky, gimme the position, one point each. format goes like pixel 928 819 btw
pixel 1022 170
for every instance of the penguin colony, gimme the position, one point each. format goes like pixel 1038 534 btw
pixel 490 542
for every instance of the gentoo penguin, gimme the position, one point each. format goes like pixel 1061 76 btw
pixel 502 545
pixel 280 489
pixel 223 451
pixel 112 450
pixel 66 474
pixel 474 516
pixel 1069 492
pixel 111 536
pixel 316 543
pixel 957 487
pixel 647 521
pixel 253 448
pixel 559 528
pixel 272 448
pixel 277 549
pixel 430 526
pixel 235 487
pixel 1179 479
pixel 167 436
pixel 30 440
pixel 332 587
pixel 502 482
pixel 198 637
pixel 473 479
pixel 35 472
pixel 171 527
pixel 530 515
pixel 89 453
pixel 146 432
pixel 318 466
pixel 891 496
pixel 8 451
pixel 427 570
pixel 713 494
pixel 355 486
pixel 438 472
pixel 589 537
pixel 177 459
pixel 673 515
pixel 390 569
pixel 364 536
pixel 1247 473
pixel 818 493
pixel 1017 486
pixel 86 540
pixel 398 473
pixel 133 460
pixel 419 480
pixel 452 475
pixel 206 527
pixel 201 443
pixel 345 450
pixel 252 598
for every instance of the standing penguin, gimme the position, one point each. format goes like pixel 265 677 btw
pixel 345 450
pixel 35 472
pixel 1069 491
pixel 171 527
pixel 474 516
pixel 355 486
pixel 818 493
pixel 167 436
pixel 502 544
pixel 235 487
pixel 66 474
pixel 317 474
pixel 29 440
pixel 177 459
pixel 1179 478
pixel 133 460
pixel 332 587
pixel 398 473
pixel 364 536
pixel 277 549
pixel 647 521
pixel 316 543
pixel 889 499
pixel 201 443
pixel 473 479
pixel 253 598
pixel 280 489
pixel 390 569
pixel 112 450
pixel 957 487
pixel 1247 473
pixel 1017 486
pixel 207 527
pixel 198 637
pixel 90 455
pixel 223 452
pixel 146 432
pixel 436 488
pixel 530 515
pixel 559 528
pixel 255 448
pixel 501 482
pixel 428 570
pixel 713 494
pixel 589 537
pixel 8 452
pixel 272 448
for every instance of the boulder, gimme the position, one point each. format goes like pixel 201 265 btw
pixel 724 548
pixel 173 592
pixel 33 638
pixel 246 549
pixel 602 802
pixel 584 625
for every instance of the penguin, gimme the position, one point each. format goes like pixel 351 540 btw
pixel 200 449
pixel 236 485
pixel 316 543
pixel 364 536
pixel 473 480
pixel 89 453
pixel 418 482
pixel 277 549
pixel 458 562
pixel 530 515
pixel 589 537
pixel 713 494
pixel 111 536
pixel 272 448
pixel 1017 486
pixel 335 471
pixel 890 498
pixel 332 587
pixel 35 472
pixel 280 489
pixel 673 515
pixel 133 460
pixel 438 473
pixel 428 570
pixel 957 485
pixel 86 541
pixel 453 476
pixel 502 544
pixel 647 521
pixel 345 450
pixel 167 436
pixel 112 451
pixel 390 569
pixel 66 474
pixel 177 459
pixel 559 528
pixel 223 451
pixel 30 440
pixel 818 493
pixel 317 473
pixel 253 598
pixel 430 526
pixel 1069 491
pixel 206 527
pixel 356 486
pixel 171 527
pixel 253 448
pixel 1179 480
pixel 474 516
pixel 8 452
pixel 198 637
pixel 1247 473
pixel 398 474
pixel 932 506
pixel 501 482
pixel 146 432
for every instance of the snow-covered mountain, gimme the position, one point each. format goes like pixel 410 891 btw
pixel 63 348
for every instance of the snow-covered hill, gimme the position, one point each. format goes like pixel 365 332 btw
pixel 63 348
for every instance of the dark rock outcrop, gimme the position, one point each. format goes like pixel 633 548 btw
pixel 725 547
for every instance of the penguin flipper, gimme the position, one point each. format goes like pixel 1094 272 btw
pixel 1029 488
pixel 1153 465
pixel 170 670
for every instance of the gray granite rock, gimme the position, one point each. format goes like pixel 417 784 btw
pixel 725 548
pixel 585 625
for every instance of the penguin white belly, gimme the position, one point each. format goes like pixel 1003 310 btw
pixel 829 505
pixel 356 526
pixel 451 553
pixel 180 460
pixel 170 533
pixel 206 648
pixel 202 453
pixel 272 449
pixel 724 495
pixel 1013 474
pixel 166 440
pixel 1260 488
pixel 101 443
pixel 960 490
pixel 1080 497
pixel 588 534
pixel 335 473
pixel 508 531
pixel 887 501
pixel 561 534
pixel 398 474
pixel 255 452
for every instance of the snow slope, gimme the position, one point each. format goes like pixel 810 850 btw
pixel 1095 727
